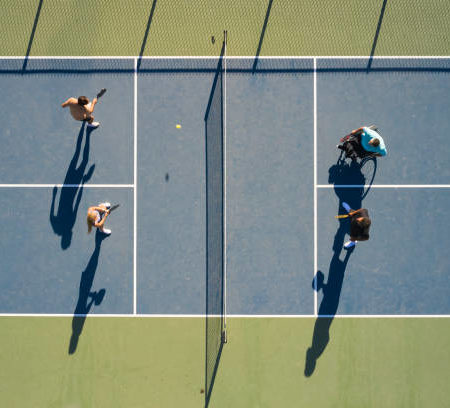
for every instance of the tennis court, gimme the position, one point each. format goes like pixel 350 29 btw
pixel 226 170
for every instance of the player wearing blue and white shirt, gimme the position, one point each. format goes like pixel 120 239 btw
pixel 371 141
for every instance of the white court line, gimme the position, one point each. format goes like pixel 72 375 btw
pixel 135 170
pixel 67 57
pixel 224 189
pixel 66 185
pixel 315 183
pixel 135 193
pixel 236 316
pixel 384 186
pixel 339 316
pixel 196 57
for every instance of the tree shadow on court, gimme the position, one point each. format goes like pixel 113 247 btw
pixel 342 173
pixel 63 221
pixel 86 297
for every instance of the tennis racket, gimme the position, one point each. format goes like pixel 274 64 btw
pixel 114 207
pixel 342 216
pixel 101 93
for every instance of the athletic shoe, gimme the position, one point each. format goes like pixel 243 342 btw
pixel 94 125
pixel 349 244
pixel 106 231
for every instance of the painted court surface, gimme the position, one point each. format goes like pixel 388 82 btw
pixel 383 336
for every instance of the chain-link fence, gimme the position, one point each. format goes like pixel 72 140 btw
pixel 195 27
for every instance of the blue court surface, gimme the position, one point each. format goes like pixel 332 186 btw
pixel 283 121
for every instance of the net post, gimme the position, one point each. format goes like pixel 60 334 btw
pixel 224 161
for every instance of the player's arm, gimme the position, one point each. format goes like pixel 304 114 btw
pixel 357 131
pixel 70 101
pixel 100 209
pixel 100 224
pixel 91 109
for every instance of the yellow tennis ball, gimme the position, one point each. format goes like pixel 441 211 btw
pixel 178 126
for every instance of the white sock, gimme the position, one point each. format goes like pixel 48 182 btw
pixel 350 244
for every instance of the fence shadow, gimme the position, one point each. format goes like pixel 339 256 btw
pixel 249 65
pixel 33 32
pixel 377 33
pixel 261 38
pixel 147 30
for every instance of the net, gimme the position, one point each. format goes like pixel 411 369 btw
pixel 215 224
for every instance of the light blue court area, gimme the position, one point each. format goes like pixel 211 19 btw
pixel 402 269
pixel 38 136
pixel 51 265
pixel 269 186
pixel 406 98
pixel 49 262
pixel 171 184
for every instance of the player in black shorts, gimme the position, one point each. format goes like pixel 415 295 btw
pixel 359 225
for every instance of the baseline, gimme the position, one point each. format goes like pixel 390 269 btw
pixel 66 185
pixel 237 316
pixel 383 186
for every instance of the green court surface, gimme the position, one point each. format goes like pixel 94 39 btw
pixel 142 27
pixel 159 362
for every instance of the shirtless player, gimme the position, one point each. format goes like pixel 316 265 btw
pixel 81 109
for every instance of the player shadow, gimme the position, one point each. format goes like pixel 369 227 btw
pixel 342 173
pixel 69 200
pixel 86 297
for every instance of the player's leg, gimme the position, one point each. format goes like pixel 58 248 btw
pixel 91 123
